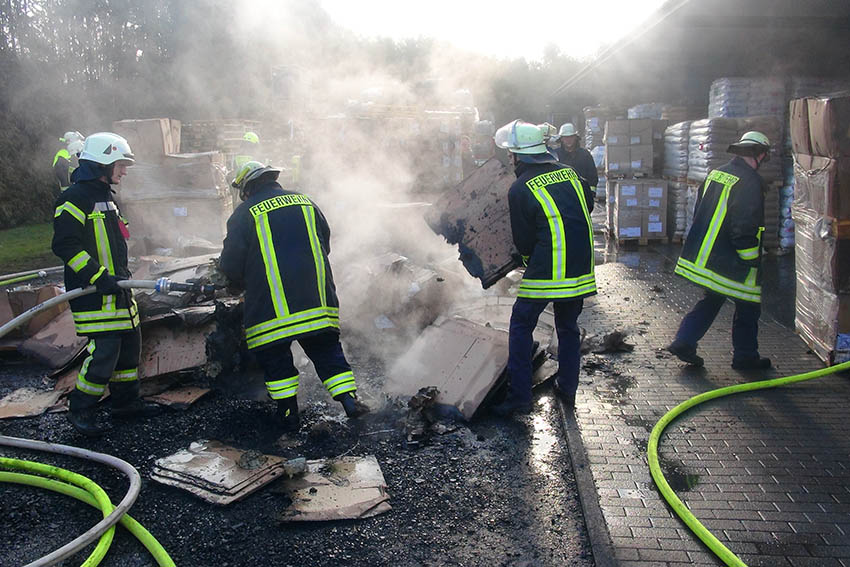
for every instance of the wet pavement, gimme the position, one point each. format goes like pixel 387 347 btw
pixel 767 472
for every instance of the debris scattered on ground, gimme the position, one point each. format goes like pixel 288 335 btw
pixel 216 472
pixel 614 341
pixel 423 418
pixel 657 289
pixel 347 488
pixel 26 402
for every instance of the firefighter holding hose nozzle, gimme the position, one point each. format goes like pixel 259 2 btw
pixel 89 235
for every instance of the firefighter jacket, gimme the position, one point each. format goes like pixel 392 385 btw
pixel 722 252
pixel 552 230
pixel 62 168
pixel 580 160
pixel 89 237
pixel 276 249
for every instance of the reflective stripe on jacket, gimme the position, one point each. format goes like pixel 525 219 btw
pixel 722 252
pixel 277 248
pixel 551 225
pixel 62 168
pixel 87 237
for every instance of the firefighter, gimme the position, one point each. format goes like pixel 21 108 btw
pixel 65 160
pixel 722 254
pixel 248 147
pixel 276 249
pixel 550 222
pixel 90 238
pixel 571 153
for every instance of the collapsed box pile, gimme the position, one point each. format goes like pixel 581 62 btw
pixel 821 212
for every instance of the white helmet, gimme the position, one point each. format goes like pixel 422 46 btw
pixel 520 137
pixel 75 147
pixel 71 136
pixel 567 129
pixel 548 130
pixel 524 139
pixel 106 148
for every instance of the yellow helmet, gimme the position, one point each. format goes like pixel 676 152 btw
pixel 251 137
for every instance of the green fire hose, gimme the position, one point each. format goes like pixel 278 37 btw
pixel 78 486
pixel 678 506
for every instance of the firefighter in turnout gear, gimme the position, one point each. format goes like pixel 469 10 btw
pixel 722 254
pixel 65 160
pixel 90 238
pixel 571 153
pixel 550 222
pixel 276 249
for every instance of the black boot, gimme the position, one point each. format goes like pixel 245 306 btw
pixel 135 409
pixel 510 406
pixel 352 406
pixel 569 399
pixel 287 414
pixel 85 421
pixel 686 353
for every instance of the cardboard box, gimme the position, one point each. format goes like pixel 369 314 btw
pixel 655 224
pixel 799 125
pixel 149 139
pixel 823 320
pixel 26 297
pixel 653 195
pixel 640 159
pixel 618 160
pixel 829 125
pixel 628 214
pixel 823 185
pixel 640 132
pixel 617 133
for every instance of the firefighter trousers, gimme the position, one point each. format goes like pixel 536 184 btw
pixel 113 360
pixel 524 318
pixel 323 349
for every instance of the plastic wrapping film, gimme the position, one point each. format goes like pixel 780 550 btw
pixel 595 118
pixel 690 206
pixel 823 320
pixel 822 257
pixel 823 273
pixel 734 97
pixel 709 140
pixel 653 110
pixel 677 208
pixel 676 138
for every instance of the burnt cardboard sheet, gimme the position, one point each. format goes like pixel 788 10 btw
pixel 179 398
pixel 216 472
pixel 57 343
pixel 464 360
pixel 475 216
pixel 347 488
pixel 27 402
pixel 169 347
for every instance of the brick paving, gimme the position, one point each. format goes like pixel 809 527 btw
pixel 768 472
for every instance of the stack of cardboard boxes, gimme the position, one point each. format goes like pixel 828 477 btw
pixel 177 204
pixel 820 138
pixel 638 209
pixel 637 204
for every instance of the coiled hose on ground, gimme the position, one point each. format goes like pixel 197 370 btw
pixel 81 488
pixel 678 506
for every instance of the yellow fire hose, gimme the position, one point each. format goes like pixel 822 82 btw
pixel 85 489
pixel 678 506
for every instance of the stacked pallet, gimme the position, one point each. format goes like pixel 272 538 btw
pixel 821 212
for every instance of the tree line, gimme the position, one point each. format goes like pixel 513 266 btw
pixel 81 64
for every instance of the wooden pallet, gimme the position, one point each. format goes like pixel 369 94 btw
pixel 642 240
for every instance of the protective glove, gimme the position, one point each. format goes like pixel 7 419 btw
pixel 107 284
